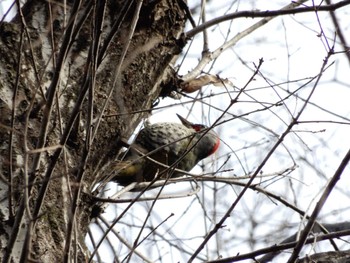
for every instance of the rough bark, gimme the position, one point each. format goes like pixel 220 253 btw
pixel 59 82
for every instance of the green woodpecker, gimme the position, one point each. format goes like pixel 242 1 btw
pixel 162 146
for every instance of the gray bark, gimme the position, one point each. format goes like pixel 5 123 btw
pixel 62 73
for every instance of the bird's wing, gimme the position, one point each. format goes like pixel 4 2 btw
pixel 173 138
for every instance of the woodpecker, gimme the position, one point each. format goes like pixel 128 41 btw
pixel 162 146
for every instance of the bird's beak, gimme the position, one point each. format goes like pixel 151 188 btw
pixel 184 121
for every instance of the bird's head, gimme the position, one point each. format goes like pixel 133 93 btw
pixel 210 141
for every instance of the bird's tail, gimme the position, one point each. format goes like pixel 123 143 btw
pixel 126 172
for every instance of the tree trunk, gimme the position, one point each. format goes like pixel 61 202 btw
pixel 75 79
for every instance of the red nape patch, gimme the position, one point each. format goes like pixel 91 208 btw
pixel 198 127
pixel 216 146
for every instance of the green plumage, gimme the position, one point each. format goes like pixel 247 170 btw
pixel 166 143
